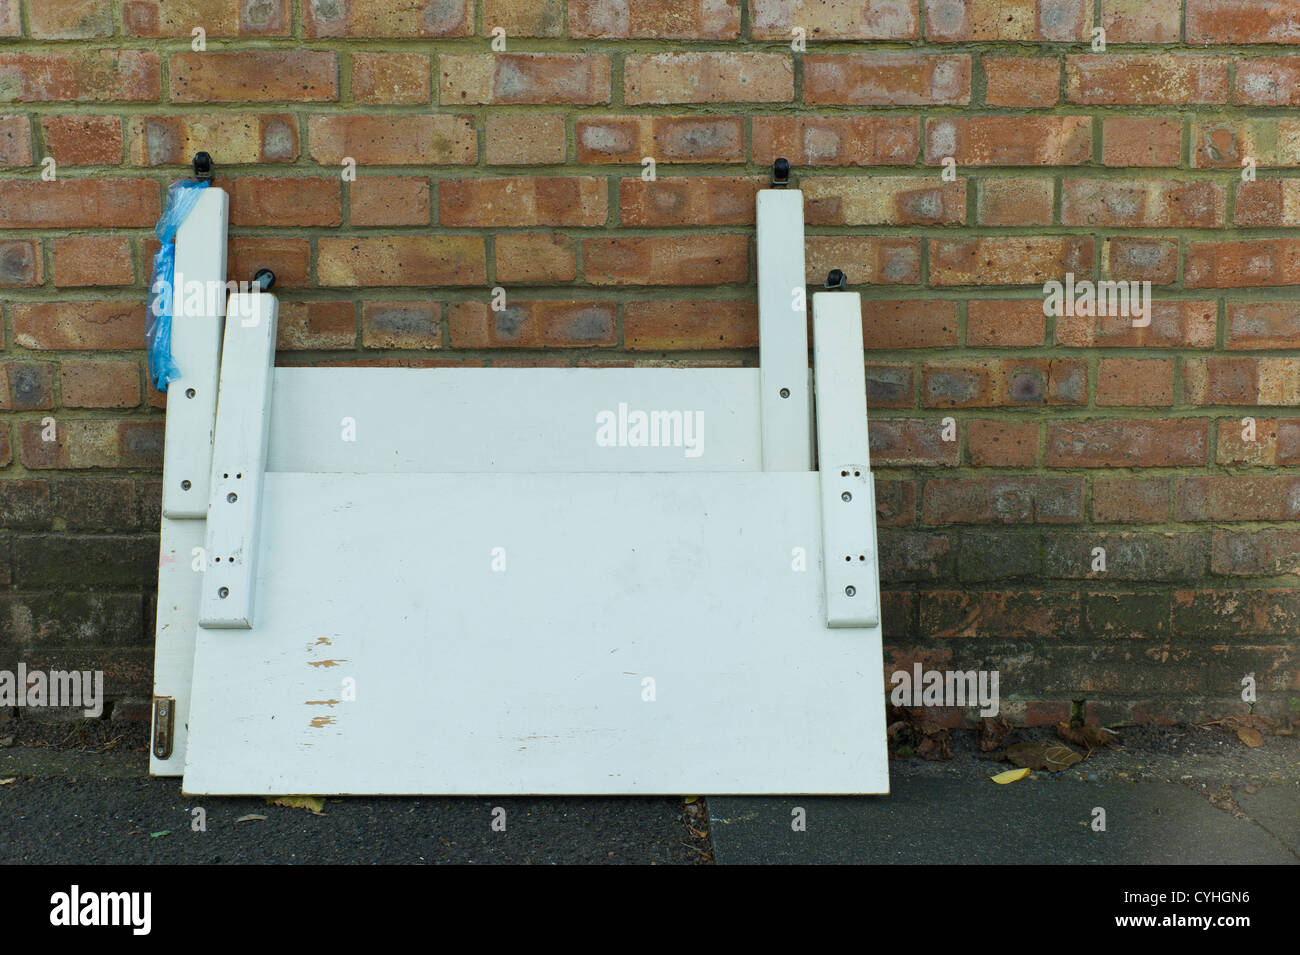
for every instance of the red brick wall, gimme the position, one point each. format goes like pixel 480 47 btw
pixel 523 169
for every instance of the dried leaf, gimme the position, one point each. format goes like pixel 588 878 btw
pixel 1010 776
pixel 1043 754
pixel 6 782
pixel 1092 737
pixel 314 803
pixel 935 746
pixel 251 817
pixel 1251 737
pixel 689 799
pixel 993 730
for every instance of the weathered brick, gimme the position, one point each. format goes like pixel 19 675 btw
pixel 83 76
pixel 93 260
pixel 11 23
pixel 220 18
pixel 1135 382
pixel 1242 263
pixel 1129 500
pixel 868 260
pixel 886 79
pixel 1241 381
pixel 903 442
pixel 21 265
pixel 78 203
pixel 1002 444
pixel 72 326
pixel 690 325
pixel 1032 82
pixel 1270 552
pixel 713 77
pixel 1142 442
pixel 524 17
pixel 630 139
pixel 1111 79
pixel 1023 260
pixel 523 201
pixel 1143 203
pixel 26 385
pixel 1141 141
pixel 401 260
pixel 83 140
pixel 439 139
pixel 92 443
pixel 382 18
pixel 244 137
pixel 535 258
pixel 1018 555
pixel 524 140
pixel 296 201
pixel 1243 21
pixel 1009 141
pixel 287 258
pixel 889 384
pixel 82 561
pixel 316 326
pixel 1157 557
pixel 1003 382
pixel 1173 325
pixel 545 78
pixel 255 76
pixel 1014 202
pixel 379 201
pixel 666 260
pixel 1258 325
pixel 1268 203
pixel 1015 614
pixel 401 325
pixel 837 140
pixel 1237 498
pixel 15 141
pixel 688 201
pixel 836 20
pixel 1001 323
pixel 1031 20
pixel 1258 442
pixel 889 325
pixel 883 200
pixel 1141 260
pixel 1141 21
pixel 895 502
pixel 391 78
pixel 655 19
pixel 1219 144
pixel 100 384
pixel 914 556
pixel 70 618
pixel 533 324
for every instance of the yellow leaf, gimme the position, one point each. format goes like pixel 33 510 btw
pixel 689 799
pixel 1010 776
pixel 1251 737
pixel 314 803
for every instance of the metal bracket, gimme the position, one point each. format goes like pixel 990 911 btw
pixel 164 726
pixel 780 174
pixel 203 170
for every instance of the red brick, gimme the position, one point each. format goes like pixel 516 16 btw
pixel 1267 81
pixel 93 260
pixel 1141 21
pixel 1023 260
pixel 690 325
pixel 1141 141
pixel 1274 442
pixel 1003 382
pixel 883 200
pixel 836 20
pixel 1242 21
pixel 383 18
pixel 394 140
pixel 15 141
pixel 713 77
pixel 26 385
pixel 543 78
pixel 391 78
pixel 220 18
pixel 100 384
pixel 1168 79
pixel 523 201
pixel 535 258
pixel 1014 202
pixel 886 79
pixel 1009 140
pixel 629 139
pixel 84 76
pixel 866 259
pixel 890 384
pixel 837 140
pixel 11 23
pixel 1135 382
pixel 519 18
pixel 255 76
pixel 83 140
pixel 78 203
pixel 1127 443
pixel 720 200
pixel 1002 444
pixel 389 201
pixel 1256 325
pixel 984 20
pixel 655 19
pixel 1143 203
pixel 296 201
pixel 1243 263
pixel 890 325
pixel 316 326
pixel 1173 325
pixel 245 138
pixel 21 265
pixel 1033 82
pixel 1224 144
pixel 515 139
pixel 95 443
pixel 72 326
pixel 1141 260
pixel 1237 497
pixel 666 260
pixel 401 325
pixel 287 258
pixel 1241 381
pixel 401 261
pixel 6 449
pixel 1270 552
pixel 904 442
pixel 1016 323
pixel 1126 500
pixel 1019 500
pixel 533 324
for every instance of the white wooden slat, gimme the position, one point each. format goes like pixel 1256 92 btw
pixel 196 349
pixel 844 462
pixel 179 585
pixel 239 460
pixel 378 420
pixel 783 332
pixel 390 654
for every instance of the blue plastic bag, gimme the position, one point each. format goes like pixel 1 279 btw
pixel 182 196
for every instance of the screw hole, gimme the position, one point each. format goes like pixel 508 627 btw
pixel 857 474
pixel 223 593
pixel 232 497
pixel 862 557
pixel 186 485
pixel 846 496
pixel 190 392
pixel 850 590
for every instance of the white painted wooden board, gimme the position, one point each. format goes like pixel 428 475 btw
pixel 177 623
pixel 531 680
pixel 783 332
pixel 196 349
pixel 378 420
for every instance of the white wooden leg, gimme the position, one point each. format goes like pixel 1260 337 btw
pixel 783 332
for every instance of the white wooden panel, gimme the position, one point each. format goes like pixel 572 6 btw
pixel 783 332
pixel 508 419
pixel 843 459
pixel 196 348
pixel 531 679
pixel 239 460
pixel 177 621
